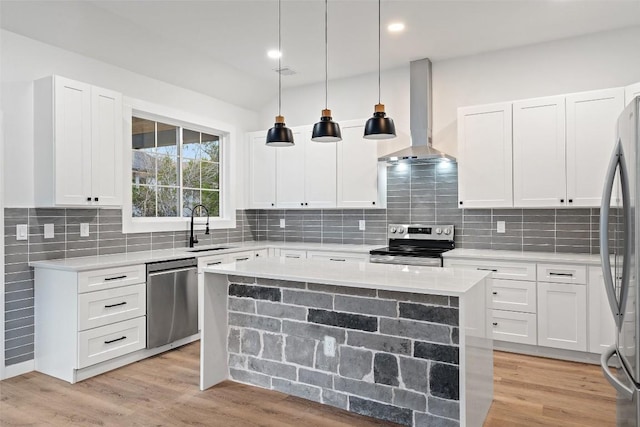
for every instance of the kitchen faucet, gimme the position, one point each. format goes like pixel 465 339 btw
pixel 193 239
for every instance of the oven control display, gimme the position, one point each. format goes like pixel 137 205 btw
pixel 419 230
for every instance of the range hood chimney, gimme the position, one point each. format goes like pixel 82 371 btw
pixel 421 118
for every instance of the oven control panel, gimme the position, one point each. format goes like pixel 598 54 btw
pixel 421 232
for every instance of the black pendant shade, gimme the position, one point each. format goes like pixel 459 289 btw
pixel 379 126
pixel 279 135
pixel 326 130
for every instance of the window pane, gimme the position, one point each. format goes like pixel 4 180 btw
pixel 191 173
pixel 210 175
pixel 143 134
pixel 190 144
pixel 210 147
pixel 190 198
pixel 143 201
pixel 168 201
pixel 143 167
pixel 167 170
pixel 211 199
pixel 167 139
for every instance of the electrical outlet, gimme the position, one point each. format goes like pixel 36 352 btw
pixel 361 225
pixel 22 232
pixel 84 229
pixel 48 231
pixel 500 227
pixel 281 222
pixel 329 346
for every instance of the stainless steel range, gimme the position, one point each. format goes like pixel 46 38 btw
pixel 415 244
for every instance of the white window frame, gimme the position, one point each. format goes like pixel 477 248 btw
pixel 228 142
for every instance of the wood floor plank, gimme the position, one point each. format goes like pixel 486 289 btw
pixel 163 391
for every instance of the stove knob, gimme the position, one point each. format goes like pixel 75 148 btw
pixel 447 231
pixel 438 230
pixel 392 230
pixel 400 229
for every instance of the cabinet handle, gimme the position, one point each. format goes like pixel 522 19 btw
pixel 487 269
pixel 561 200
pixel 494 292
pixel 214 263
pixel 561 274
pixel 88 199
pixel 242 259
pixel 106 279
pixel 337 259
pixel 495 323
pixel 292 256
pixel 117 339
pixel 95 199
pixel 115 305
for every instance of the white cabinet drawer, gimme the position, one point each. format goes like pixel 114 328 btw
pixel 293 253
pixel 338 256
pixel 208 261
pixel 562 273
pixel 106 342
pixel 241 256
pixel 500 269
pixel 108 278
pixel 513 295
pixel 513 326
pixel 111 305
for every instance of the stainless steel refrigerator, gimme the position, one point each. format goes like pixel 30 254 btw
pixel 619 240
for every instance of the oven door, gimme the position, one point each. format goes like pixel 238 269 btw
pixel 406 260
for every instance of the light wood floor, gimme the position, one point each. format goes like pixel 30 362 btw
pixel 163 391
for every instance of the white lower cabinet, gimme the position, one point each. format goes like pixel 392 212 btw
pixel 112 305
pixel 601 324
pixel 513 326
pixel 106 342
pixel 562 316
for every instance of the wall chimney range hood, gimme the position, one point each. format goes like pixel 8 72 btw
pixel 421 119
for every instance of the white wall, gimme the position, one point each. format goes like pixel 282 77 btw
pixel 25 60
pixel 590 62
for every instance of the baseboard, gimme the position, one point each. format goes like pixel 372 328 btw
pixel 552 353
pixel 18 369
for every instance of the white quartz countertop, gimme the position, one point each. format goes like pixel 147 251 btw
pixel 424 280
pixel 124 259
pixel 489 254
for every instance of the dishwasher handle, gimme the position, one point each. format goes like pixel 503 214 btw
pixel 178 264
pixel 173 270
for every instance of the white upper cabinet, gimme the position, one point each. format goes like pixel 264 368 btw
pixel 591 132
pixel 320 163
pixel 539 178
pixel 290 172
pixel 485 156
pixel 357 169
pixel 78 144
pixel 631 92
pixel 262 172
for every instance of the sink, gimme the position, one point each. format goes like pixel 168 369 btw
pixel 207 249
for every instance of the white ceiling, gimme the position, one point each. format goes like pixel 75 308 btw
pixel 219 47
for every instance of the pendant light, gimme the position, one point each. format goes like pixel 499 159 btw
pixel 379 126
pixel 279 135
pixel 326 130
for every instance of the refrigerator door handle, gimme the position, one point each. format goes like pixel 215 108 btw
pixel 623 389
pixel 628 237
pixel 604 236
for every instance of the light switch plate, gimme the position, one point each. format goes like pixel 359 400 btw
pixel 22 232
pixel 501 227
pixel 361 225
pixel 281 222
pixel 48 231
pixel 84 229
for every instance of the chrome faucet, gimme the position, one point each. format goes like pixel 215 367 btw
pixel 193 239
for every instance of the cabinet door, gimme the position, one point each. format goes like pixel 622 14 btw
pixel 602 327
pixel 320 164
pixel 591 133
pixel 562 316
pixel 357 169
pixel 539 177
pixel 290 173
pixel 106 147
pixel 72 128
pixel 485 156
pixel 262 181
pixel 631 92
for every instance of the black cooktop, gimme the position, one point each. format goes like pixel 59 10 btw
pixel 410 251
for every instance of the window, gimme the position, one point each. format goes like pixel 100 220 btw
pixel 174 168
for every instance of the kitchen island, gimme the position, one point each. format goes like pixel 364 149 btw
pixel 399 343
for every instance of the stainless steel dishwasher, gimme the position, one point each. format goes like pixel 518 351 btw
pixel 172 301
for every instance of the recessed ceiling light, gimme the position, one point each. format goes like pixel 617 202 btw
pixel 274 54
pixel 395 27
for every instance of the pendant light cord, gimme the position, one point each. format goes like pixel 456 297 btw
pixel 326 55
pixel 279 60
pixel 379 26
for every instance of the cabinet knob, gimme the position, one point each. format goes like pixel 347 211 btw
pixel 95 199
pixel 373 203
pixel 301 203
pixel 306 204
pixel 561 200
pixel 494 292
pixel 570 200
pixel 88 199
pixel 460 201
pixel 273 204
pixel 495 323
